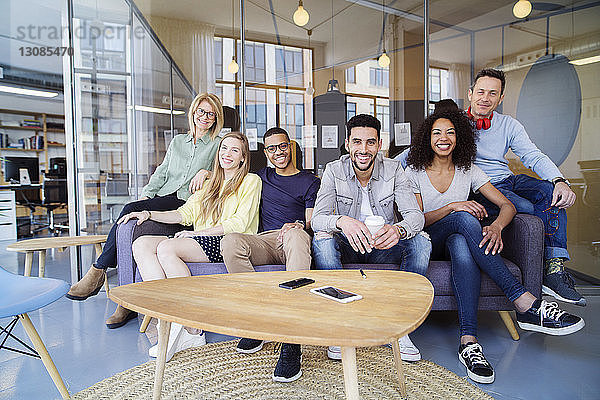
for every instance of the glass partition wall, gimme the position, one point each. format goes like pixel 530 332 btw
pixel 131 93
pixel 129 100
pixel 552 88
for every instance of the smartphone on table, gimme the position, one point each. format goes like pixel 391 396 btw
pixel 296 283
pixel 330 292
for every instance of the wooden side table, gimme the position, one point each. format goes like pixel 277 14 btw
pixel 30 246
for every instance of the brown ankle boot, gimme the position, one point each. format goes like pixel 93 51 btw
pixel 88 286
pixel 120 317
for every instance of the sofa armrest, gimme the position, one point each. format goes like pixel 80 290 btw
pixel 126 235
pixel 523 242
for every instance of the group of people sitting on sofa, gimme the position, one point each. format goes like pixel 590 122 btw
pixel 454 181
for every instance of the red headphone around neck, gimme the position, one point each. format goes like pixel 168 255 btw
pixel 481 123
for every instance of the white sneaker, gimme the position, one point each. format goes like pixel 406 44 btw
pixel 334 352
pixel 179 339
pixel 408 351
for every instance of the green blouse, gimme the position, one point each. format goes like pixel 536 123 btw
pixel 182 161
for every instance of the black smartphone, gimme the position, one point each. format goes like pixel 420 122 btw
pixel 296 283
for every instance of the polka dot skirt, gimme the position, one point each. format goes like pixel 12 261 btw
pixel 211 246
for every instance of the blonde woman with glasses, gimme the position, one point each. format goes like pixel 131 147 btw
pixel 227 203
pixel 184 168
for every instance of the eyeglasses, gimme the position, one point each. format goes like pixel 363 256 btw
pixel 200 113
pixel 283 146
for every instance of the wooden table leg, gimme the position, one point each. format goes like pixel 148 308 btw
pixel 28 263
pixel 398 362
pixel 145 324
pixel 43 352
pixel 350 373
pixel 42 263
pixel 164 327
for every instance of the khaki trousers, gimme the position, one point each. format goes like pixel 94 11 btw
pixel 241 251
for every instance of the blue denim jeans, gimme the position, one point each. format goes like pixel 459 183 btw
pixel 459 234
pixel 534 196
pixel 108 257
pixel 412 254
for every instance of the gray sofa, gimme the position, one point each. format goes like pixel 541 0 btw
pixel 523 250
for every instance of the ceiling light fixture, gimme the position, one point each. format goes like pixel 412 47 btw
pixel 301 16
pixel 158 110
pixel 383 60
pixel 310 90
pixel 587 60
pixel 27 92
pixel 233 66
pixel 522 8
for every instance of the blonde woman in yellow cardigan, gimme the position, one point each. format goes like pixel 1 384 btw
pixel 228 202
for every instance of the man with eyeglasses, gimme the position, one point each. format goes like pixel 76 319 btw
pixel 288 197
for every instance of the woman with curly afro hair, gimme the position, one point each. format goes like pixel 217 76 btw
pixel 442 174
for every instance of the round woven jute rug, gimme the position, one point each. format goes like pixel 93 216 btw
pixel 217 371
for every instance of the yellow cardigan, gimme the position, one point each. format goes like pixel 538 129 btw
pixel 240 210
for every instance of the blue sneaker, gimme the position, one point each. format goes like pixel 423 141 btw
pixel 547 318
pixel 560 285
pixel 288 365
pixel 249 346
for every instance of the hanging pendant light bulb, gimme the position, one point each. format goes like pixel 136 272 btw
pixel 522 8
pixel 310 90
pixel 233 67
pixel 301 15
pixel 383 60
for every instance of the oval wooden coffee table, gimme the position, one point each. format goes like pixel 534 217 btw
pixel 30 246
pixel 252 305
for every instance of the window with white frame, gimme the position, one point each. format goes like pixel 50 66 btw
pixel 288 67
pixel 438 86
pixel 379 77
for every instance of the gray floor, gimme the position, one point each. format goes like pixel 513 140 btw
pixel 85 351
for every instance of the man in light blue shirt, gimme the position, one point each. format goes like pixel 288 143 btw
pixel 546 198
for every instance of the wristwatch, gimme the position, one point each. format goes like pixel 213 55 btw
pixel 401 231
pixel 298 221
pixel 556 180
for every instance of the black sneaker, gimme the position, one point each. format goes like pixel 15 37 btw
pixel 547 318
pixel 249 346
pixel 478 368
pixel 560 285
pixel 288 365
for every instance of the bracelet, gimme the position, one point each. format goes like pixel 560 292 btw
pixel 300 222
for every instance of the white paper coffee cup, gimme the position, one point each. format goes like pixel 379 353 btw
pixel 374 223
